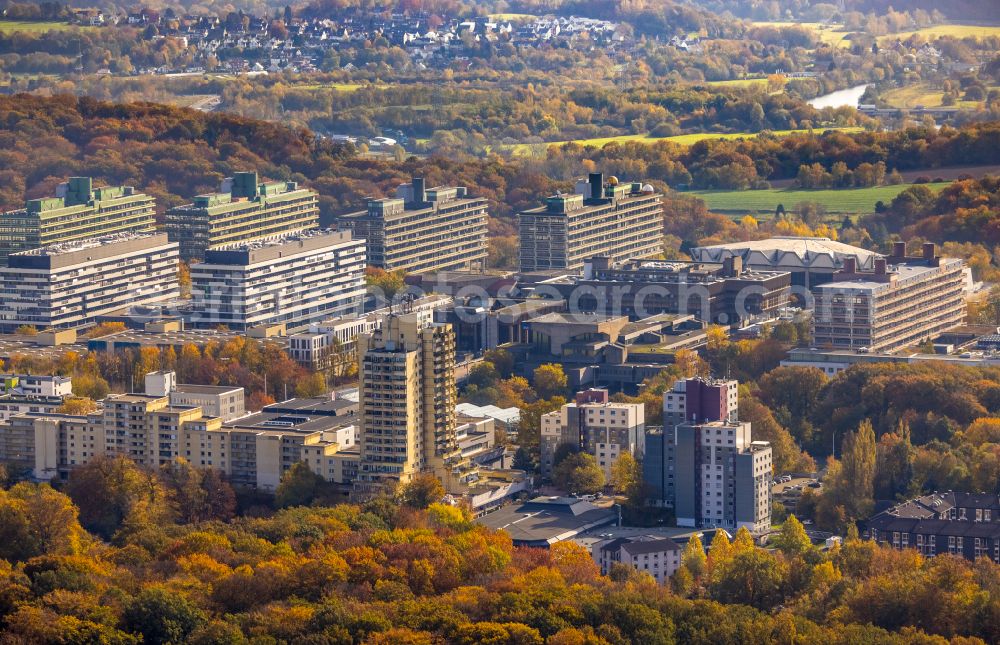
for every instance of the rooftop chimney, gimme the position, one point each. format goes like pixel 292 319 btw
pixel 880 266
pixel 419 193
pixel 732 266
pixel 850 265
pixel 899 249
pixel 597 185
pixel 929 250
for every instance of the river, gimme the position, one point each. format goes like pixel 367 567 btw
pixel 849 97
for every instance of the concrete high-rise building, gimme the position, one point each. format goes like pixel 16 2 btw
pixel 294 280
pixel 619 221
pixel 73 283
pixel 407 404
pixel 77 212
pixel 596 426
pixel 708 469
pixel 903 302
pixel 244 210
pixel 423 230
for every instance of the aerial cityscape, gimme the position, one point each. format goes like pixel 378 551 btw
pixel 517 322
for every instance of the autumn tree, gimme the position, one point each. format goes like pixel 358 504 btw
pixel 162 617
pixel 549 380
pixel 37 520
pixel 693 558
pixel 626 475
pixel 197 494
pixel 299 486
pixel 578 473
pixel 77 405
pixel 792 539
pixel 425 489
pixel 112 492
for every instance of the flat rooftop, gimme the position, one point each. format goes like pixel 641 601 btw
pixel 543 521
pixel 316 406
pixel 903 273
pixel 287 423
pixel 242 253
pixel 206 389
pixel 69 253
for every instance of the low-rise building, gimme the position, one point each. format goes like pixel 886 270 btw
pixel 13 404
pixel 244 210
pixel 252 450
pixel 543 521
pixel 659 557
pixel 618 220
pixel 905 301
pixel 36 384
pixel 73 284
pixel 294 280
pixel 964 524
pixel 423 230
pixel 596 426
pixel 223 401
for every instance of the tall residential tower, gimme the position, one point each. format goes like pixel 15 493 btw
pixel 407 404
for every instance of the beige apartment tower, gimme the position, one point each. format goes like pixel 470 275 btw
pixel 407 404
pixel 616 220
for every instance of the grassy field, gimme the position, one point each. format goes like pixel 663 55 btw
pixel 533 149
pixel 921 94
pixel 739 82
pixel 839 202
pixel 836 36
pixel 37 27
pixel 958 31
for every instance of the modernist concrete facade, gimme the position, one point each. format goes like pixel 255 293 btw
pixel 407 399
pixel 725 293
pixel 423 230
pixel 710 472
pixel 245 210
pixel 811 261
pixel 615 220
pixel 594 425
pixel 903 302
pixel 74 283
pixel 77 212
pixel 294 280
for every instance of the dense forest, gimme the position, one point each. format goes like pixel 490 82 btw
pixel 124 555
